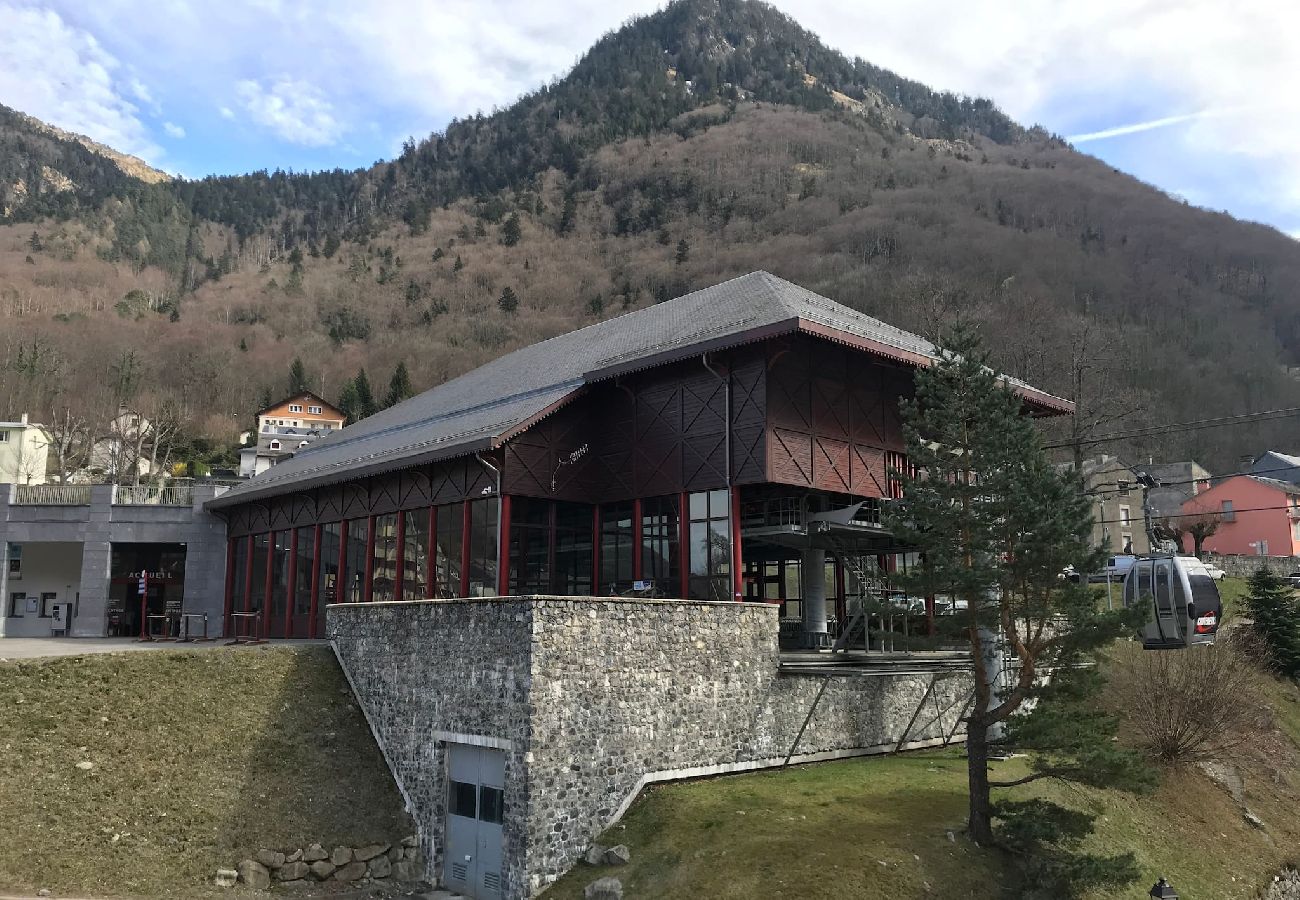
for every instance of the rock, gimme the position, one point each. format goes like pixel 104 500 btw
pixel 1226 777
pixel 1252 818
pixel 341 856
pixel 595 855
pixel 322 869
pixel 85 765
pixel 226 878
pixel 254 874
pixel 294 856
pixel 618 856
pixel 409 870
pixel 604 889
pixel 43 892
pixel 410 841
pixel 363 854
pixel 380 867
pixel 351 872
pixel 272 859
pixel 293 871
pixel 313 853
pixel 394 854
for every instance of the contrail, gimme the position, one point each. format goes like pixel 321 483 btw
pixel 1143 126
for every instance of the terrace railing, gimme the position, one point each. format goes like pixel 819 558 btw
pixel 51 495
pixel 151 495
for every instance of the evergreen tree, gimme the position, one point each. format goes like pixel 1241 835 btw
pixel 458 264
pixel 996 524
pixel 1273 606
pixel 348 403
pixel 567 214
pixel 298 377
pixel 34 242
pixel 366 405
pixel 683 251
pixel 508 301
pixel 510 230
pixel 399 386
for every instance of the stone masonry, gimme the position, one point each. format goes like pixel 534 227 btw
pixel 592 698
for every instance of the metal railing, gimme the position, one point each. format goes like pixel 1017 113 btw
pixel 151 495
pixel 51 495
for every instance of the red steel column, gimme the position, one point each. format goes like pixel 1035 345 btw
pixel 270 585
pixel 503 547
pixel 315 583
pixel 400 577
pixel 467 528
pixel 737 575
pixel 291 583
pixel 368 586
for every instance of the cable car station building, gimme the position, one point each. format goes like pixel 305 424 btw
pixel 608 538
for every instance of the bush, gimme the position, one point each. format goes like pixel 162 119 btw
pixel 1274 611
pixel 1185 706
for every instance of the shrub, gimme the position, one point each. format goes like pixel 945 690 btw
pixel 1275 614
pixel 1184 706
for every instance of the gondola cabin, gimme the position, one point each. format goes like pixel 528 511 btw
pixel 1182 599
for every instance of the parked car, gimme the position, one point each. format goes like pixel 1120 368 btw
pixel 1215 572
pixel 1294 579
pixel 1115 569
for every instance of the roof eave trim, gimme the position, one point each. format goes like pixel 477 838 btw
pixel 692 350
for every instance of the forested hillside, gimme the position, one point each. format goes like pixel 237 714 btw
pixel 708 140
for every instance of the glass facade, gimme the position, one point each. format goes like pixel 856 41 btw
pixel 572 573
pixel 328 562
pixel 530 546
pixel 279 600
pixel 383 584
pixel 354 562
pixel 710 546
pixel 415 554
pixel 661 544
pixel 447 561
pixel 617 540
pixel 239 565
pixel 483 534
pixel 257 591
pixel 302 580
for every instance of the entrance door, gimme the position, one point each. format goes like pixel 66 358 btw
pixel 1169 618
pixel 475 807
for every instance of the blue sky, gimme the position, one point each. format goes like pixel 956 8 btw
pixel 1195 97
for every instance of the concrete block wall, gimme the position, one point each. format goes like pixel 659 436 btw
pixel 603 696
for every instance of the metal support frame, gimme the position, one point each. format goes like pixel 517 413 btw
pixel 808 718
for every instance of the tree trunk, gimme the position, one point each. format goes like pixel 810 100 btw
pixel 980 827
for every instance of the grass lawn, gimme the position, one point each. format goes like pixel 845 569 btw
pixel 198 759
pixel 877 827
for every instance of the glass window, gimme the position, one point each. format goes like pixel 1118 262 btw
pixel 573 550
pixel 483 535
pixel 530 546
pixel 238 568
pixel 48 601
pixel 17 604
pixel 280 578
pixel 491 804
pixel 354 565
pixel 314 410
pixel 261 558
pixel 710 546
pixel 462 797
pixel 616 540
pixel 328 561
pixel 384 559
pixel 302 577
pixel 294 407
pixel 1226 508
pixel 451 537
pixel 15 560
pixel 415 554
pixel 660 544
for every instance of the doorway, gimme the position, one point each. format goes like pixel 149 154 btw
pixel 475 811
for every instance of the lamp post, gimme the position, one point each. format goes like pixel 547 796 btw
pixel 1163 890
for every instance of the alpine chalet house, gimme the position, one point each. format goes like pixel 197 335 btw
pixel 574 522
pixel 734 443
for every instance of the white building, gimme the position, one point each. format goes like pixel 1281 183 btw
pixel 24 452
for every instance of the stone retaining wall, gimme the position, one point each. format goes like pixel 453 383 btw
pixel 591 698
pixel 1245 566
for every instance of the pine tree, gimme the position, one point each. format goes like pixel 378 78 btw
pixel 996 523
pixel 567 214
pixel 1273 606
pixel 366 405
pixel 298 383
pixel 508 301
pixel 34 242
pixel 683 251
pixel 399 386
pixel 348 403
pixel 458 264
pixel 510 232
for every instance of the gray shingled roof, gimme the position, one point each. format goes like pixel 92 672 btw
pixel 469 413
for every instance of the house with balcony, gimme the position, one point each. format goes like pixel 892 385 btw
pixel 286 427
pixel 1116 497
pixel 1254 515
pixel 24 451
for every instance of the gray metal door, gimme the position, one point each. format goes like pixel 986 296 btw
pixel 475 810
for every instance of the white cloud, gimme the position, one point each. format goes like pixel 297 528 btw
pixel 62 75
pixel 1138 127
pixel 226 112
pixel 293 109
pixel 174 130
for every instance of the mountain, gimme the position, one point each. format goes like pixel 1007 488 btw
pixel 712 138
